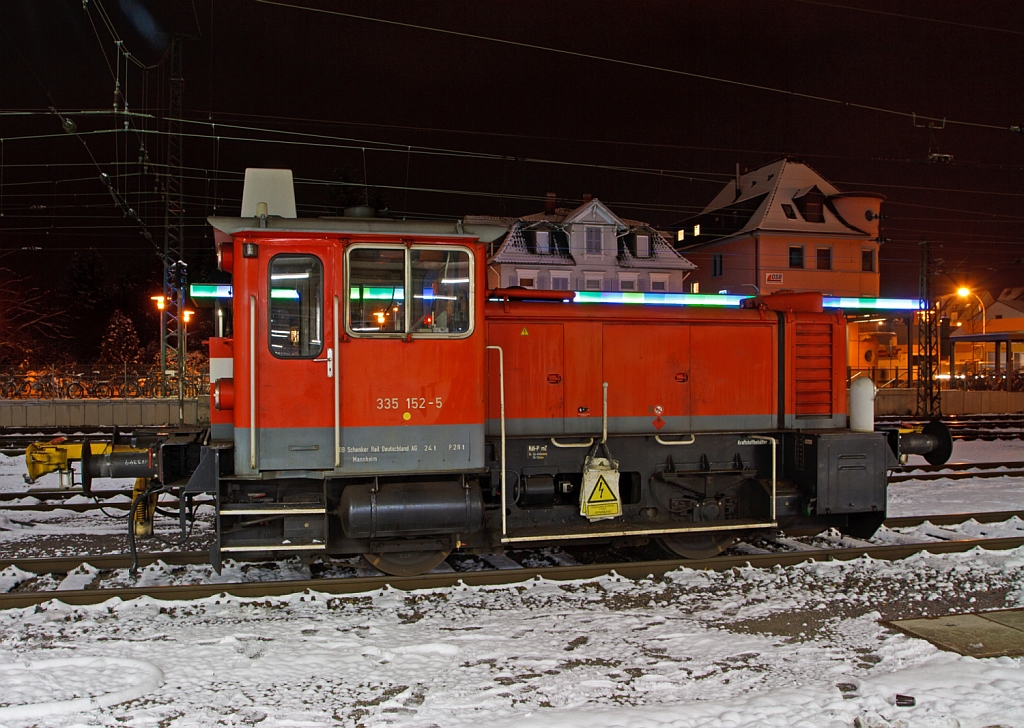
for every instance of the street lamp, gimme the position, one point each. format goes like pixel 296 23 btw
pixel 161 305
pixel 964 292
pixel 186 317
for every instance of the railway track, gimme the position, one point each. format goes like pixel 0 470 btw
pixel 509 574
pixel 970 427
pixel 959 471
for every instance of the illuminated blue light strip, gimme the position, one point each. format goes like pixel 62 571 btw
pixel 884 304
pixel 661 299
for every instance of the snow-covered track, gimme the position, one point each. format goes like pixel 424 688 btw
pixel 952 519
pixel 64 564
pixel 959 471
pixel 317 588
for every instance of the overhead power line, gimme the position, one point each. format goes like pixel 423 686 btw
pixel 635 64
pixel 911 17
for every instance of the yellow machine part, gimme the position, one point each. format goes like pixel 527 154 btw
pixel 50 457
pixel 142 518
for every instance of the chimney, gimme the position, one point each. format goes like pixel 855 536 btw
pixel 549 203
pixel 587 197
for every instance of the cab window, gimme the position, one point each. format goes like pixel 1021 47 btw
pixel 440 282
pixel 440 291
pixel 376 290
pixel 296 306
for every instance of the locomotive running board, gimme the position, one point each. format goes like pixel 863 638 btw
pixel 639 532
pixel 268 547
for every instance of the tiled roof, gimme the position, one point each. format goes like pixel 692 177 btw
pixel 663 255
pixel 514 250
pixel 763 192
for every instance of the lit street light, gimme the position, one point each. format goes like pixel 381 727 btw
pixel 161 305
pixel 964 292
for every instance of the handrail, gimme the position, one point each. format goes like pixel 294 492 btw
pixel 252 382
pixel 604 413
pixel 556 443
pixel 337 391
pixel 693 438
pixel 501 385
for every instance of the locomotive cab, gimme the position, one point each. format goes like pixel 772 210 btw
pixel 354 409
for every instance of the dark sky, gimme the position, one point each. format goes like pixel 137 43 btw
pixel 442 124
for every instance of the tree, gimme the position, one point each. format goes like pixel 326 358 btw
pixel 120 350
pixel 28 323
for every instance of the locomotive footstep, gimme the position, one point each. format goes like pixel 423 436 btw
pixel 697 545
pixel 406 563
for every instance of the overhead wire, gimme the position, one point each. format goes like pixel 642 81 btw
pixel 873 11
pixel 634 64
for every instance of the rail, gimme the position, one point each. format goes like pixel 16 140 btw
pixel 631 570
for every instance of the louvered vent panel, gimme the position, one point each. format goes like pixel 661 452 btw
pixel 813 370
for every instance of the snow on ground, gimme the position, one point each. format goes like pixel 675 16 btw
pixel 970 495
pixel 697 649
pixel 803 646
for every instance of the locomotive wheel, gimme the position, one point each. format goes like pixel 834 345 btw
pixel 406 563
pixel 702 545
pixel 862 525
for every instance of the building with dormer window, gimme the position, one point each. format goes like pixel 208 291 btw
pixel 588 248
pixel 784 226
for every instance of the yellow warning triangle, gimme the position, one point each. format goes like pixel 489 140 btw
pixel 525 332
pixel 602 493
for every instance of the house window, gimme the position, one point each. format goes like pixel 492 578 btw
pixel 643 246
pixel 790 212
pixel 543 241
pixel 811 205
pixel 592 281
pixel 527 278
pixel 695 287
pixel 867 260
pixel 796 256
pixel 824 258
pixel 559 281
pixel 593 241
pixel 716 265
pixel 627 281
pixel 659 282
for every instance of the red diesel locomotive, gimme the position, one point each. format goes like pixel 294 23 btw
pixel 375 398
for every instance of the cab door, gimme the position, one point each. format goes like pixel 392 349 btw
pixel 296 373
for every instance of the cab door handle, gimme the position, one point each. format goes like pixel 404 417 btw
pixel 330 362
pixel 554 378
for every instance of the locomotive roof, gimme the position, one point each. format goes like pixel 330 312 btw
pixel 359 225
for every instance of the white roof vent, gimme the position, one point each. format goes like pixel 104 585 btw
pixel 271 186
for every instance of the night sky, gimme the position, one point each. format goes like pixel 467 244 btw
pixel 442 124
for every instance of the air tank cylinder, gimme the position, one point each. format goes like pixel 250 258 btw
pixel 862 405
pixel 410 509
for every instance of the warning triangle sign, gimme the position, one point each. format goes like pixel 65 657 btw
pixel 525 332
pixel 602 493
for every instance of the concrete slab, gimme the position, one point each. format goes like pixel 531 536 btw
pixel 984 634
pixel 1009 617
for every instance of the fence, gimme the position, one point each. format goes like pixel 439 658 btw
pixel 965 381
pixel 57 385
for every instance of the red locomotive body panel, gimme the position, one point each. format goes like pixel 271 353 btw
pixel 667 370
